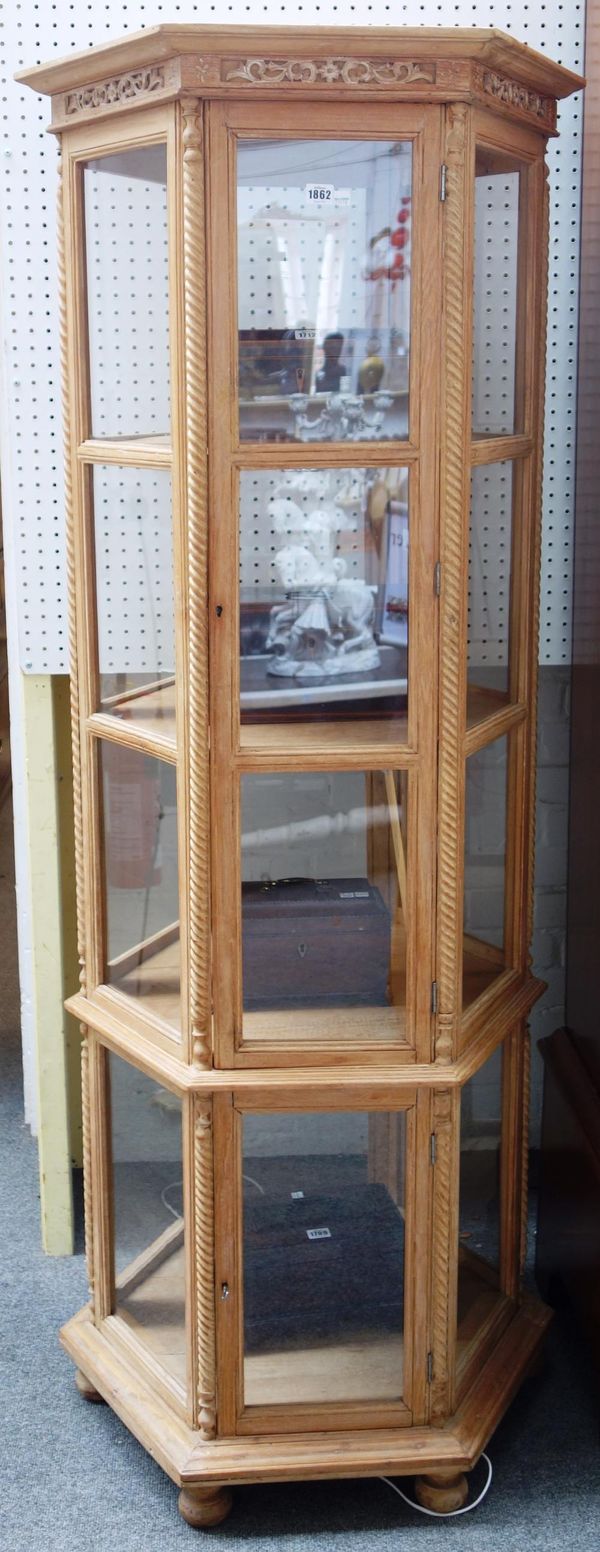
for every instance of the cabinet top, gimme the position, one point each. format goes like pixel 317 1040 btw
pixel 323 56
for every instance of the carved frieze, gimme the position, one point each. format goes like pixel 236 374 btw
pixel 119 88
pixel 513 94
pixel 327 72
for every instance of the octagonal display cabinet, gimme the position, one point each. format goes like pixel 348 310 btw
pixel 303 300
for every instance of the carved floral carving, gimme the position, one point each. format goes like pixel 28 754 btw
pixel 120 88
pixel 309 72
pixel 515 95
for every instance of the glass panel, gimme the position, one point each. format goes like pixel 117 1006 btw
pixel 132 523
pixel 324 905
pixel 324 597
pixel 323 1253
pixel 126 244
pixel 148 1209
pixel 497 404
pixel 489 601
pixel 485 859
pixel 141 879
pixel 324 253
pixel 133 540
pixel 479 1208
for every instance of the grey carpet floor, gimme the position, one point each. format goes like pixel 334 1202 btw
pixel 71 1477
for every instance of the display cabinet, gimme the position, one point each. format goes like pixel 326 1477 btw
pixel 303 293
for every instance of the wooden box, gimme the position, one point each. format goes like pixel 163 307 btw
pixel 314 943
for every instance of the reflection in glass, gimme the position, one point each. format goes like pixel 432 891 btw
pixel 479 1202
pixel 148 1212
pixel 126 246
pixel 324 595
pixel 496 403
pixel 324 904
pixel 489 600
pixel 324 252
pixel 141 879
pixel 133 540
pixel 323 1248
pixel 485 863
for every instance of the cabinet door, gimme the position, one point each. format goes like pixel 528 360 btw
pixel 313 1195
pixel 323 394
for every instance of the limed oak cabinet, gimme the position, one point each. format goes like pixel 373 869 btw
pixel 303 283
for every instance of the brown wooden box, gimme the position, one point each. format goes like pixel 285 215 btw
pixel 314 943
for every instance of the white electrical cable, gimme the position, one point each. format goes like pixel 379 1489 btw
pixel 253 1182
pixel 163 1196
pixel 448 1514
pixel 179 1184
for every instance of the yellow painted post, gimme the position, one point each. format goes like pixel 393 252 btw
pixel 52 931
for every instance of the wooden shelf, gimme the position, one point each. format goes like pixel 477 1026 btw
pixel 149 714
pixel 490 714
pixel 153 1305
pixel 144 719
pixel 362 1368
pixel 496 447
pixel 154 982
pixel 146 451
pixel 482 964
pixel 274 745
pixel 326 1026
pixel 483 703
pixel 478 1299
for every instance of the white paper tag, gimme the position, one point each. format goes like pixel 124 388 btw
pixel 326 194
pixel 318 1233
pixel 305 334
pixel 297 1196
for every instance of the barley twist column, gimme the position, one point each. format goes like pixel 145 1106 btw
pixel 194 269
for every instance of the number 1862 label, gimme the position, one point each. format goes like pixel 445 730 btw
pixel 326 194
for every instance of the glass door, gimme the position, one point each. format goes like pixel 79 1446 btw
pixel 312 1197
pixel 323 613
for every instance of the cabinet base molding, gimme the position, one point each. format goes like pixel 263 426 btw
pixel 207 1470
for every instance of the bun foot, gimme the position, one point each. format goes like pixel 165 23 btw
pixel 203 1506
pixel 442 1491
pixel 85 1387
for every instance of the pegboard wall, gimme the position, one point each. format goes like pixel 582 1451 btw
pixel 32 32
pixel 125 201
pixel 133 540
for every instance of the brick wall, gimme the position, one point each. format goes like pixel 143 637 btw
pixel 550 908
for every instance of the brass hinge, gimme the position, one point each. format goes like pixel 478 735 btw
pixel 433 1148
pixel 429 1368
pixel 434 996
pixel 443 176
pixel 437 578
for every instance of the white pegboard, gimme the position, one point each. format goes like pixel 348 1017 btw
pixel 495 303
pixel 125 201
pixel 32 472
pixel 133 533
pixel 490 534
